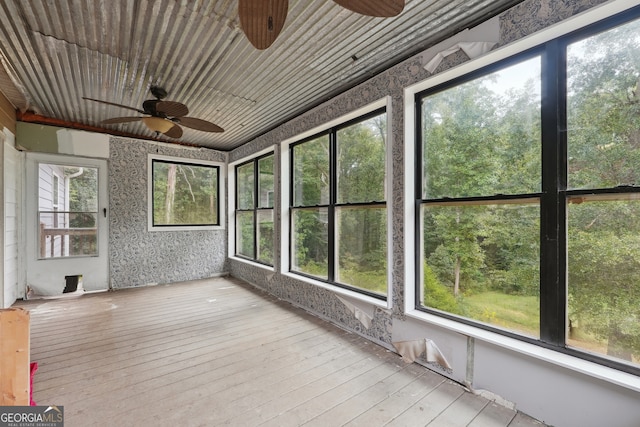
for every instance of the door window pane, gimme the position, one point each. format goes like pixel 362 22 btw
pixel 67 211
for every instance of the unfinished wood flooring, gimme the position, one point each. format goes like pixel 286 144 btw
pixel 219 352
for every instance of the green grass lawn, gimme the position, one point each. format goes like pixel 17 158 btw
pixel 375 281
pixel 513 312
pixel 521 314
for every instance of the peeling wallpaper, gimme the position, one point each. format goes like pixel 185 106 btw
pixel 138 257
pixel 522 20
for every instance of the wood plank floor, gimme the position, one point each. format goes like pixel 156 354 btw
pixel 219 352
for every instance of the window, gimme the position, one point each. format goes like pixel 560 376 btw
pixel 338 206
pixel 254 210
pixel 528 196
pixel 67 211
pixel 183 195
pixel 603 188
pixel 481 180
pixel 55 188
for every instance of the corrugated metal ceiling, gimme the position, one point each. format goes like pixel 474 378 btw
pixel 59 51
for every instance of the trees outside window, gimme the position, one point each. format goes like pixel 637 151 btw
pixel 310 212
pixel 338 206
pixel 481 173
pixel 603 235
pixel 184 194
pixel 254 209
pixel 528 196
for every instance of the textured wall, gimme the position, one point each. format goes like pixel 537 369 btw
pixel 138 257
pixel 313 298
pixel 522 20
pixel 531 16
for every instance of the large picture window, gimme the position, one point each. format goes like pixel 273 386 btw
pixel 338 206
pixel 481 169
pixel 528 196
pixel 254 210
pixel 603 188
pixel 184 195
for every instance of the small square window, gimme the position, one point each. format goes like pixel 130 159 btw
pixel 183 195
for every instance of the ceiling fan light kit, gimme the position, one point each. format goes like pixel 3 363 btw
pixel 157 124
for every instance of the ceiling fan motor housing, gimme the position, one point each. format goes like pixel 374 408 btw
pixel 149 107
pixel 158 92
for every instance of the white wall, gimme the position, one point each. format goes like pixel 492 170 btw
pixel 560 396
pixel 12 190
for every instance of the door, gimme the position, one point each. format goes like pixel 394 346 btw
pixel 66 224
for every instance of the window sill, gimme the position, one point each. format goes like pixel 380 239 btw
pixel 383 304
pixel 252 263
pixel 185 228
pixel 585 367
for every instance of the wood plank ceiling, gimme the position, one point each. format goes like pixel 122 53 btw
pixel 58 52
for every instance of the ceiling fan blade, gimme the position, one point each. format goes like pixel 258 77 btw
pixel 172 108
pixel 262 20
pixel 199 124
pixel 174 132
pixel 117 120
pixel 114 104
pixel 378 8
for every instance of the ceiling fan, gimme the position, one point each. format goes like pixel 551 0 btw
pixel 162 116
pixel 262 20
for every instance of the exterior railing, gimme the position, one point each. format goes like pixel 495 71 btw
pixel 48 241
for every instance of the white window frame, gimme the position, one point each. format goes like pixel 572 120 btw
pixel 221 186
pixel 55 190
pixel 231 191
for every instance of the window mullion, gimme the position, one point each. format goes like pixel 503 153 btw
pixel 553 206
pixel 418 178
pixel 237 209
pixel 331 212
pixel 256 176
pixel 290 237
